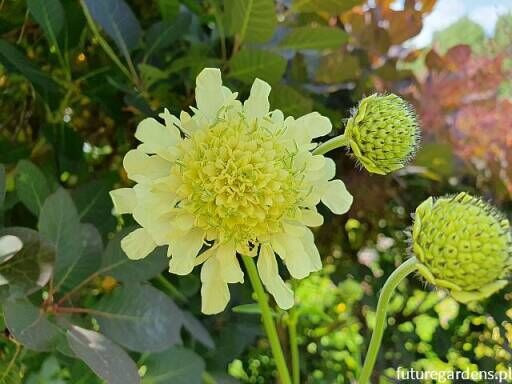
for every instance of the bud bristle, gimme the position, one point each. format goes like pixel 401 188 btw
pixel 383 133
pixel 463 244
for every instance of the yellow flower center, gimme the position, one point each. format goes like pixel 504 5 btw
pixel 237 180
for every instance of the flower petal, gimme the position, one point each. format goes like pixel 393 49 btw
pixel 269 274
pixel 184 249
pixel 311 218
pixel 308 241
pixel 257 105
pixel 143 168
pixel 308 127
pixel 229 266
pixel 124 200
pixel 158 138
pixel 138 244
pixel 210 94
pixel 9 246
pixel 337 198
pixel 214 291
pixel 295 256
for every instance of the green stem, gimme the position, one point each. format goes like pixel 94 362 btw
pixel 335 142
pixel 389 287
pixel 294 347
pixel 268 322
pixel 171 289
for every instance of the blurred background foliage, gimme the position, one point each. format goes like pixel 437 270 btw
pixel 77 76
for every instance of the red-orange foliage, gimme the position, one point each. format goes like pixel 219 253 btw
pixel 458 101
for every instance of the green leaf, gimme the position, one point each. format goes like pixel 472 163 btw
pixel 118 21
pixel 15 61
pixel 163 34
pixel 2 185
pixel 174 366
pixel 30 268
pixel 104 357
pixel 94 204
pixel 152 75
pixel 197 330
pixel 333 7
pixel 12 151
pixel 248 309
pixel 31 186
pixel 253 20
pixel 118 265
pixel 30 326
pixel 337 67
pixel 67 145
pixel 89 260
pixel 290 101
pixel 169 9
pixel 248 64
pixel 59 223
pixel 140 318
pixel 49 14
pixel 314 38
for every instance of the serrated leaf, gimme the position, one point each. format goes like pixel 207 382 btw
pixel 169 9
pixel 49 14
pixel 2 185
pixel 30 268
pixel 141 318
pixel 118 21
pixel 197 330
pixel 175 366
pixel 253 20
pixel 15 61
pixel 314 38
pixel 31 186
pixel 115 263
pixel 59 223
pixel 337 67
pixel 30 326
pixel 249 64
pixel 332 7
pixel 104 357
pixel 290 101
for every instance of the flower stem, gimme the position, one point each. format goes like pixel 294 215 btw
pixel 392 282
pixel 329 145
pixel 294 347
pixel 268 322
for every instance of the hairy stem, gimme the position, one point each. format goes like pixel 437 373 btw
pixel 389 287
pixel 268 322
pixel 294 347
pixel 329 145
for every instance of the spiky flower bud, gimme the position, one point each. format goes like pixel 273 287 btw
pixel 463 244
pixel 383 133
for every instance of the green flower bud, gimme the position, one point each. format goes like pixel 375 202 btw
pixel 383 133
pixel 463 244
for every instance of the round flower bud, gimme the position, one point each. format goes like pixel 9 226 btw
pixel 462 244
pixel 383 133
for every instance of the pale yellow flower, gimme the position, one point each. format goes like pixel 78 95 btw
pixel 230 179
